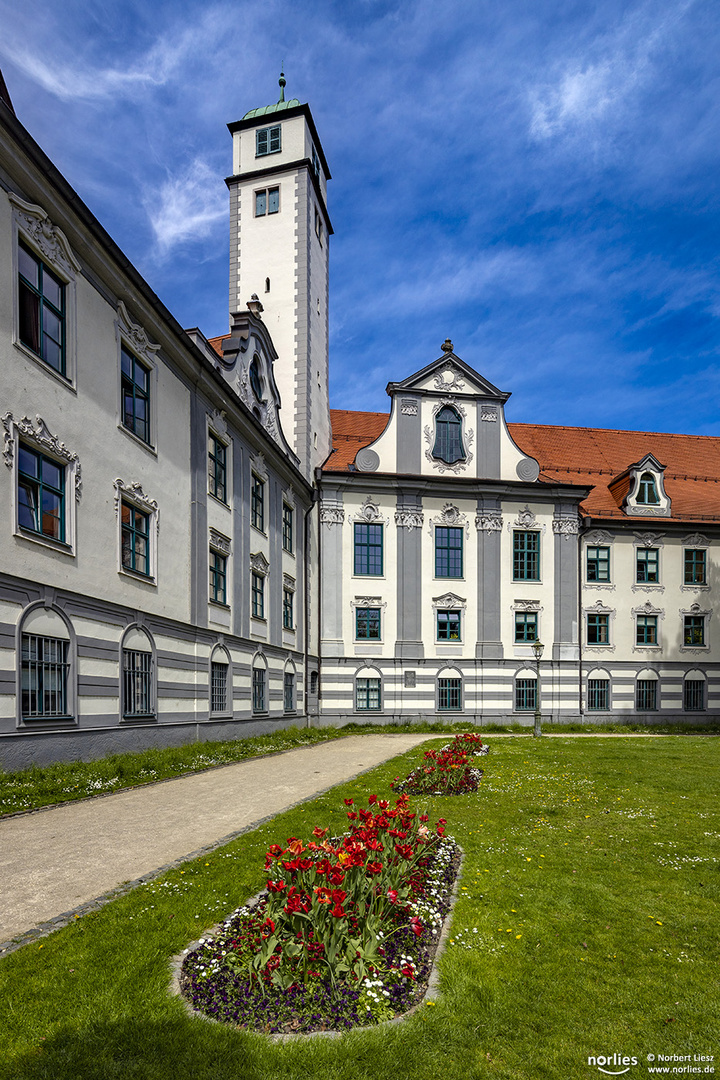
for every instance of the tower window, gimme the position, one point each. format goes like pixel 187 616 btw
pixel 267 284
pixel 267 201
pixel 267 141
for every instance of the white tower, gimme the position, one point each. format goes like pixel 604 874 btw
pixel 279 236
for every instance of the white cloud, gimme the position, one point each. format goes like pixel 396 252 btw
pixel 188 206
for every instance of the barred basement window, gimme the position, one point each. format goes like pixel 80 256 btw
pixel 367 695
pixel 598 695
pixel 646 695
pixel 218 687
pixel 258 690
pixel 525 695
pixel 137 684
pixel 694 695
pixel 44 677
pixel 449 695
pixel 289 692
pixel 526 556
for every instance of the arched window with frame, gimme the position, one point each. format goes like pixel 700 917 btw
pixel 647 490
pixel 138 675
pixel 47 665
pixel 448 436
pixel 220 682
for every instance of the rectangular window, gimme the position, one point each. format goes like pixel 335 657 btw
pixel 598 695
pixel 288 621
pixel 289 692
pixel 267 141
pixel 218 577
pixel 218 687
pixel 526 556
pixel 646 630
pixel 135 540
pixel 257 503
pixel 449 695
pixel 448 626
pixel 695 566
pixel 598 630
pixel 694 695
pixel 217 468
pixel 41 494
pixel 694 630
pixel 368 549
pixel 137 683
pixel 44 673
pixel 135 392
pixel 367 695
pixel 598 564
pixel 258 596
pixel 448 552
pixel 367 624
pixel 646 695
pixel 41 315
pixel 315 162
pixel 258 689
pixel 647 565
pixel 287 535
pixel 318 226
pixel 525 695
pixel 267 201
pixel 525 626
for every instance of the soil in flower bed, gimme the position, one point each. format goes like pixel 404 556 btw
pixel 216 981
pixel 446 771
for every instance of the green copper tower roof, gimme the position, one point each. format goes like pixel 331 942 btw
pixel 279 106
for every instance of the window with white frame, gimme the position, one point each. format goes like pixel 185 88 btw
pixel 525 693
pixel 138 676
pixel 694 693
pixel 646 696
pixel 526 627
pixel 217 467
pixel 289 691
pixel 368 694
pixel 135 391
pixel 449 693
pixel 449 624
pixel 647 565
pixel 220 688
pixel 598 696
pixel 259 687
pixel 46 689
pixel 138 517
pixel 597 566
pixel 41 309
pixel 267 201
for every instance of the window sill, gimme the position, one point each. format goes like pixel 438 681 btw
pixel 64 380
pixel 289 630
pixel 140 718
pixel 136 439
pixel 31 721
pixel 219 604
pixel 136 575
pixel 219 501
pixel 261 532
pixel 45 541
pixel 287 551
pixel 226 714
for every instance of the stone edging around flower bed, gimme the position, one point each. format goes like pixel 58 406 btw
pixel 431 992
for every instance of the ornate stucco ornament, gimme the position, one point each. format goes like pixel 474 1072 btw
pixel 39 435
pixel 566 526
pixel 50 240
pixel 331 515
pixel 259 564
pixel 220 542
pixel 134 491
pixel 489 520
pixel 409 519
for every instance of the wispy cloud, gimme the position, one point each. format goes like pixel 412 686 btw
pixel 186 207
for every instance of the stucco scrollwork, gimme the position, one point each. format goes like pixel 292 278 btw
pixel 39 435
pixel 409 406
pixel 649 539
pixel 599 609
pixel 449 600
pixel 259 564
pixel 332 515
pixel 369 513
pixel 218 423
pixel 289 583
pixel 258 466
pixel 526 605
pixel 648 608
pixel 50 240
pixel 288 497
pixel 452 517
pixel 409 519
pixel 489 413
pixel 489 521
pixel 566 526
pixel 220 542
pixel 134 492
pixel 598 536
pixel 135 335
pixel 696 540
pixel 449 379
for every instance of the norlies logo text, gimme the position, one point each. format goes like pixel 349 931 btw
pixel 613 1059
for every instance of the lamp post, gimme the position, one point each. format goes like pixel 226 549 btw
pixel 537 649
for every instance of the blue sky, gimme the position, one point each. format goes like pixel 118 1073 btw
pixel 538 181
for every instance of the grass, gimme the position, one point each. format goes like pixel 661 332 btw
pixel 587 925
pixel 33 788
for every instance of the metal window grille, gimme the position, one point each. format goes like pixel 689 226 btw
pixel 135 539
pixel 368 695
pixel 289 692
pixel 646 630
pixel 41 310
pixel 646 695
pixel 598 564
pixel 449 695
pixel 597 629
pixel 448 552
pixel 258 596
pixel 695 566
pixel 218 577
pixel 287 539
pixel 694 695
pixel 257 503
pixel 525 626
pixel 217 468
pixel 694 630
pixel 258 689
pixel 41 494
pixel 135 391
pixel 448 436
pixel 368 549
pixel 647 565
pixel 526 556
pixel 448 626
pixel 525 695
pixel 367 624
pixel 44 676
pixel 218 686
pixel 598 695
pixel 288 621
pixel 137 683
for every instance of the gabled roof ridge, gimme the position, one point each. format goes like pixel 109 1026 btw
pixel 609 431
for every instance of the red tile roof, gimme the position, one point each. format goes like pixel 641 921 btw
pixel 585 456
pixel 216 343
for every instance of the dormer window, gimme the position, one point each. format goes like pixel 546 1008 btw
pixel 647 490
pixel 448 436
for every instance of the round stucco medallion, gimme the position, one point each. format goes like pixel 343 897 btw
pixel 528 469
pixel 367 460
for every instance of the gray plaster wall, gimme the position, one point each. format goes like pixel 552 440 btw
pixel 409 434
pixel 488 442
pixel 409 644
pixel 489 579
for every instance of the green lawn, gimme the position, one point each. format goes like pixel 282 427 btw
pixel 587 925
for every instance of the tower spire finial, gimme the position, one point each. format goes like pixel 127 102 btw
pixel 282 84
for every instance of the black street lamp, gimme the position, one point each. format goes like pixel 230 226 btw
pixel 537 649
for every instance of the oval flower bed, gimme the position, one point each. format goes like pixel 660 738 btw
pixel 343 937
pixel 446 771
